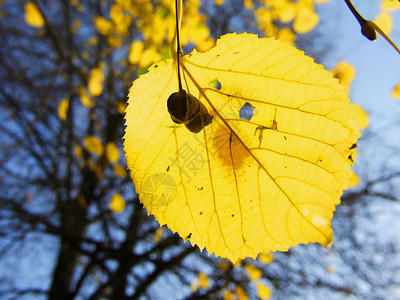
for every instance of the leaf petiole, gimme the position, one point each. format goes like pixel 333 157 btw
pixel 178 44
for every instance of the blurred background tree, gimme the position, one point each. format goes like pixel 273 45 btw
pixel 71 225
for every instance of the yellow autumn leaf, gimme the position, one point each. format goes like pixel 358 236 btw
pixel 117 203
pixel 228 295
pixel 96 80
pixel 93 145
pixel 286 35
pixel 112 152
pixel 85 98
pixel 33 16
pixel 158 234
pixel 78 151
pixel 120 106
pixel 63 109
pixel 253 272
pixel 385 22
pixel 103 25
pixel 120 171
pixel 396 92
pixel 287 13
pixel 263 176
pixel 266 258
pixel 263 291
pixel 390 5
pixel 135 51
pixel 306 20
pixel 201 282
pixel 345 72
pixel 354 180
pixel 240 293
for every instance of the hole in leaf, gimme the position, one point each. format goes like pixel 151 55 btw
pixel 215 84
pixel 246 112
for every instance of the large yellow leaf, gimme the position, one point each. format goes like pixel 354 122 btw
pixel 241 187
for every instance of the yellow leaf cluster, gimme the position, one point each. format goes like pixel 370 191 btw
pixel 299 17
pixel 33 16
pixel 306 19
pixel 242 187
pixel 117 203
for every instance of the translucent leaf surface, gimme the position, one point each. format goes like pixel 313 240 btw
pixel 242 187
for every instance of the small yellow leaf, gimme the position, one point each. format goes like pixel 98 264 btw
pixel 149 56
pixel 78 151
pixel 253 272
pixel 201 282
pixel 266 258
pixel 396 92
pixel 103 26
pixel 287 35
pixel 306 20
pixel 135 52
pixel 85 98
pixel 345 72
pixel 117 203
pixel 121 106
pixel 385 22
pixel 33 16
pixel 287 13
pixel 268 171
pixel 354 180
pixel 263 291
pixel 93 145
pixel 158 234
pixel 330 268
pixel 63 109
pixel 112 152
pixel 75 26
pixel 228 295
pixel 223 264
pixel 240 293
pixel 120 171
pixel 96 81
pixel 95 167
pixel 390 5
pixel 219 2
